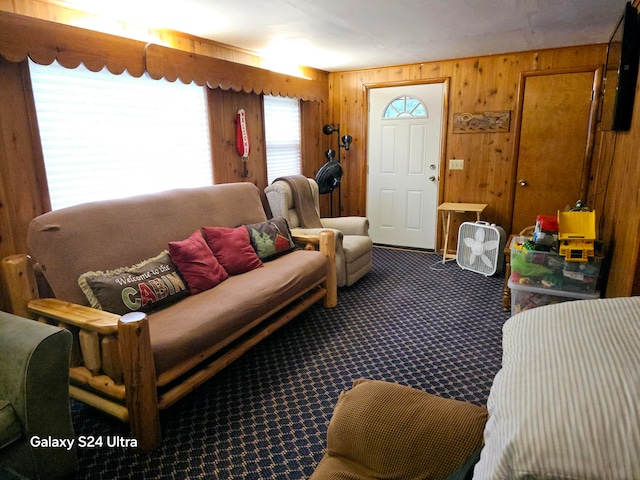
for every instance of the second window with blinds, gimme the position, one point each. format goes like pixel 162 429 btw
pixel 282 136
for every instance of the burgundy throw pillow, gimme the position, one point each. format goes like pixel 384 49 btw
pixel 196 263
pixel 232 248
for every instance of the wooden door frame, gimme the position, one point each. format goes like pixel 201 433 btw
pixel 591 133
pixel 366 88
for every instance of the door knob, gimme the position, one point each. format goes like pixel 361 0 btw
pixel 522 183
pixel 432 178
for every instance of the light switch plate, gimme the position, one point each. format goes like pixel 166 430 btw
pixel 456 164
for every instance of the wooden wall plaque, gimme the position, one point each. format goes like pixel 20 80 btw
pixel 482 122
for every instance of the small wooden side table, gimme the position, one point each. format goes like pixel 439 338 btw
pixel 446 209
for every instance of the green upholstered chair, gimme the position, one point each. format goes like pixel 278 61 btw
pixel 34 399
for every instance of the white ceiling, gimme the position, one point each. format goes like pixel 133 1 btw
pixel 336 35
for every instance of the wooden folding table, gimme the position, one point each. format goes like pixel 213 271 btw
pixel 446 209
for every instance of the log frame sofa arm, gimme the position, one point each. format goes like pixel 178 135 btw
pixel 18 283
pixel 23 299
pixel 107 352
pixel 86 318
pixel 115 351
pixel 325 242
pixel 119 361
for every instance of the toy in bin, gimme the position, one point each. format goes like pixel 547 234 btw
pixel 535 265
pixel 546 232
pixel 576 234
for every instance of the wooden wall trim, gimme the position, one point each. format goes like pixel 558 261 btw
pixel 172 64
pixel 404 83
pixel 43 42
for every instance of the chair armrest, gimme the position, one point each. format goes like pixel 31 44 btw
pixel 34 377
pixel 86 318
pixel 348 225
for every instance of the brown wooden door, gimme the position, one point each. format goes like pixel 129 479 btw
pixel 554 148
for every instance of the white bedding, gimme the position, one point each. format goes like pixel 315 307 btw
pixel 566 403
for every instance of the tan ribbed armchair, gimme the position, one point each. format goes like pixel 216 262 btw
pixel 353 244
pixel 385 430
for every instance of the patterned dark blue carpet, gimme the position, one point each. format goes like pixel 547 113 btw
pixel 412 320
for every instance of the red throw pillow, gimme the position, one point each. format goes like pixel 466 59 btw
pixel 232 248
pixel 196 263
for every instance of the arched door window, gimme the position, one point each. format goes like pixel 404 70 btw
pixel 405 106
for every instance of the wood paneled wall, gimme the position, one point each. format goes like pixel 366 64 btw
pixel 227 164
pixel 491 83
pixel 615 194
pixel 23 186
pixel 476 85
pixel 314 144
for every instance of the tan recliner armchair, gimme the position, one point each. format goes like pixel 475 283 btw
pixel 353 244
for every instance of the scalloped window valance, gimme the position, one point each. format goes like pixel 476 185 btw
pixel 43 42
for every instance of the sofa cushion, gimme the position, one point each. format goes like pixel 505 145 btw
pixel 218 315
pixel 385 430
pixel 150 284
pixel 271 239
pixel 232 248
pixel 196 263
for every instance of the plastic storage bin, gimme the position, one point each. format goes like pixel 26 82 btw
pixel 549 270
pixel 582 277
pixel 526 297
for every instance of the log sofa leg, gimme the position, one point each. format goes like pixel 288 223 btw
pixel 140 380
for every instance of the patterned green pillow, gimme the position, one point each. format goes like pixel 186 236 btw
pixel 271 239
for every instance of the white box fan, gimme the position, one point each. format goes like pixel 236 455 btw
pixel 481 247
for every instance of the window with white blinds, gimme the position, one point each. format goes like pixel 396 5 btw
pixel 282 136
pixel 111 136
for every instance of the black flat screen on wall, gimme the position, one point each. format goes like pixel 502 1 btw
pixel 622 71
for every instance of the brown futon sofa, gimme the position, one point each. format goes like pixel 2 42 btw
pixel 182 329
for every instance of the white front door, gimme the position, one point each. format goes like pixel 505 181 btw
pixel 404 148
